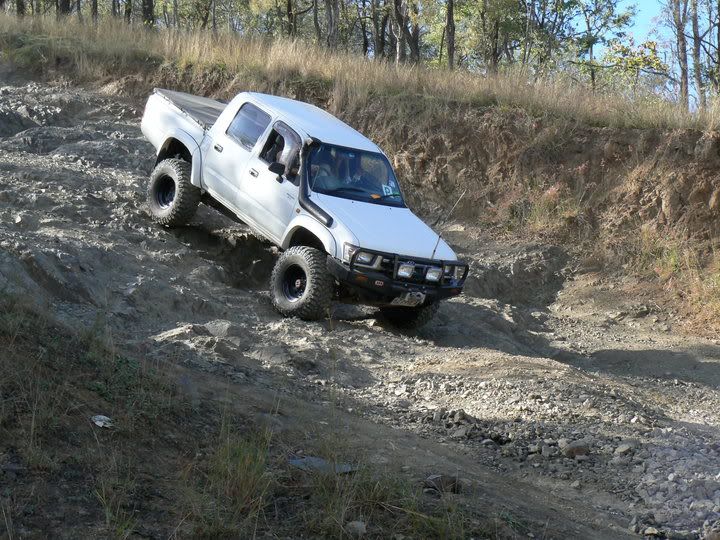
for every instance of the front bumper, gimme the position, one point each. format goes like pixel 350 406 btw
pixel 385 287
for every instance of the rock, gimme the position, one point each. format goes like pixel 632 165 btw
pixel 576 449
pixel 356 529
pixel 443 483
pixel 460 433
pixel 575 484
pixel 12 468
pixel 651 531
pixel 623 449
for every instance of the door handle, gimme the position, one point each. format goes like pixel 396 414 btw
pixel 218 148
pixel 254 173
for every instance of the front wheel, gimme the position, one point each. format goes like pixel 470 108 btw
pixel 300 284
pixel 410 317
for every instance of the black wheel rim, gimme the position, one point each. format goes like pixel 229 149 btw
pixel 165 191
pixel 293 283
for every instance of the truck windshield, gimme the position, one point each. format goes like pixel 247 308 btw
pixel 353 174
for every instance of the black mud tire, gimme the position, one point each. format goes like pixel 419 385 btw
pixel 410 318
pixel 171 198
pixel 300 284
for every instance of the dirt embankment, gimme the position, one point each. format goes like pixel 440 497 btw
pixel 638 202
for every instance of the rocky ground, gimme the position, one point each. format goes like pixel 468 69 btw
pixel 566 397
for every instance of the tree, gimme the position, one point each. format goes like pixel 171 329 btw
pixel 148 13
pixel 626 65
pixel 601 19
pixel 332 16
pixel 678 24
pixel 63 7
pixel 697 63
pixel 450 32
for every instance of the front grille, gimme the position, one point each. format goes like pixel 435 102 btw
pixel 390 262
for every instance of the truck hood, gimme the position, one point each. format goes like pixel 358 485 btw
pixel 386 228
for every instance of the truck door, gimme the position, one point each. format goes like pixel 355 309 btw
pixel 226 155
pixel 274 196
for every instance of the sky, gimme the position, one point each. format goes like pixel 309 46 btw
pixel 644 24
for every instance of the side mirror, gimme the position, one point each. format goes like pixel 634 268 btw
pixel 277 168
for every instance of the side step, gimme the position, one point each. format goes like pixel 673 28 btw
pixel 210 201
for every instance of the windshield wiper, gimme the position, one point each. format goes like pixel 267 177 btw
pixel 347 188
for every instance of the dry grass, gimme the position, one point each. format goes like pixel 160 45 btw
pixel 112 48
pixel 681 267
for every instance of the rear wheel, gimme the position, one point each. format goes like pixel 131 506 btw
pixel 300 284
pixel 171 197
pixel 410 317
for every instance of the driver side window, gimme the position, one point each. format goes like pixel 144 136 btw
pixel 283 146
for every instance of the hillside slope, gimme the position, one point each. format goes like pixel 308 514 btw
pixel 567 407
pixel 628 188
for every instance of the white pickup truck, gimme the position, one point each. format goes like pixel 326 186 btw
pixel 323 193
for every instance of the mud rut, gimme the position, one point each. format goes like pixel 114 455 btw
pixel 534 360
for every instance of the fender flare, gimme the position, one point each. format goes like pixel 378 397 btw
pixel 191 144
pixel 304 221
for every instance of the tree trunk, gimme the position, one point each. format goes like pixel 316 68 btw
pixel 128 11
pixel 679 12
pixel 375 18
pixel 450 33
pixel 94 11
pixel 399 40
pixel 363 26
pixel 717 59
pixel 697 63
pixel 63 7
pixel 411 38
pixel 20 8
pixel 383 38
pixel 495 50
pixel 206 16
pixel 78 7
pixel 148 13
pixel 332 15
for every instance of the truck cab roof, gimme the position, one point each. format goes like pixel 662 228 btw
pixel 313 121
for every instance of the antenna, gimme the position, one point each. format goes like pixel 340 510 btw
pixel 443 220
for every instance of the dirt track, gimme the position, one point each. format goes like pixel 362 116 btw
pixel 562 399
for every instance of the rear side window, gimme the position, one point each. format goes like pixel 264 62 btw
pixel 247 126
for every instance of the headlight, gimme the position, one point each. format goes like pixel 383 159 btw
pixel 406 270
pixel 433 273
pixel 363 258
